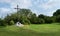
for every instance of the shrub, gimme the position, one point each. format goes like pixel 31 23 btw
pixel 3 23
pixel 48 20
pixel 41 21
pixel 25 21
pixel 11 22
pixel 58 19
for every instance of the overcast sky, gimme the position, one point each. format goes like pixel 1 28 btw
pixel 46 7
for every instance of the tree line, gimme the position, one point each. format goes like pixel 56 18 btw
pixel 25 16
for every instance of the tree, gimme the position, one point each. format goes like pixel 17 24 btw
pixel 25 12
pixel 45 18
pixel 41 16
pixel 53 18
pixel 22 16
pixel 2 22
pixel 33 19
pixel 56 13
pixel 24 20
pixel 48 20
pixel 58 18
pixel 7 19
pixel 41 21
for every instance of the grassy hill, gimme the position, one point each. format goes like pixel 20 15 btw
pixel 31 30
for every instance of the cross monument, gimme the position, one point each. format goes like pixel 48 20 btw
pixel 18 23
pixel 17 8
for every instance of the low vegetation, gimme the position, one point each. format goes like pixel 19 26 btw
pixel 31 30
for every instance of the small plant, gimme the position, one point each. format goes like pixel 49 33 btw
pixel 11 22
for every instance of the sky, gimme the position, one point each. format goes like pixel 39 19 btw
pixel 46 7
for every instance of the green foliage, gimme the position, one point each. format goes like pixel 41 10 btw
pixel 45 19
pixel 58 18
pixel 41 21
pixel 33 18
pixel 25 12
pixel 56 13
pixel 41 16
pixel 48 19
pixel 2 22
pixel 53 18
pixel 25 16
pixel 24 20
pixel 11 22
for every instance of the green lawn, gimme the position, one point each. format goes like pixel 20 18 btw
pixel 31 30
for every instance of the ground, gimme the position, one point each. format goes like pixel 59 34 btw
pixel 31 30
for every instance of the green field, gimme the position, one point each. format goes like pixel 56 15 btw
pixel 31 30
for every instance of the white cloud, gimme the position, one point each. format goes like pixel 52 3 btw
pixel 4 9
pixel 13 4
pixel 5 1
pixel 48 6
pixel 50 13
pixel 21 3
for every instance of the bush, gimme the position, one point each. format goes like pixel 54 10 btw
pixel 25 21
pixel 58 19
pixel 48 20
pixel 11 22
pixel 41 21
pixel 3 23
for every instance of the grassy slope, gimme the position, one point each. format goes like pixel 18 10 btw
pixel 31 30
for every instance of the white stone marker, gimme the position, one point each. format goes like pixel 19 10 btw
pixel 19 24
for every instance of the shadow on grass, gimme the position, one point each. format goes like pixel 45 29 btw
pixel 26 32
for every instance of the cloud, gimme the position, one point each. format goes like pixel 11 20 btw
pixel 21 3
pixel 46 7
pixel 5 1
pixel 50 4
pixel 4 11
pixel 13 4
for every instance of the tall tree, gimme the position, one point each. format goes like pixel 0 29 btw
pixel 41 16
pixel 56 13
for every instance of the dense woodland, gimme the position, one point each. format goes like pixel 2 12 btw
pixel 25 16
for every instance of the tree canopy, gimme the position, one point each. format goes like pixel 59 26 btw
pixel 26 16
pixel 56 13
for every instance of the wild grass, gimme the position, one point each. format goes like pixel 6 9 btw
pixel 31 30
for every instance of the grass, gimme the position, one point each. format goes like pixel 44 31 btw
pixel 31 30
